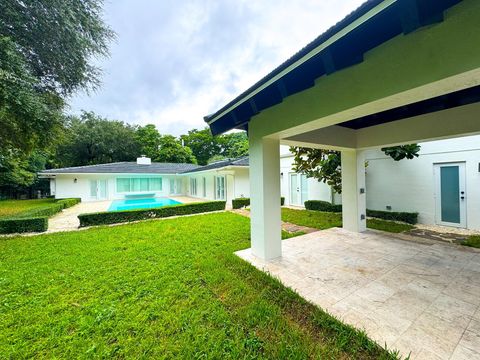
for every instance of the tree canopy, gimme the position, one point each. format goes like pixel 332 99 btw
pixel 46 48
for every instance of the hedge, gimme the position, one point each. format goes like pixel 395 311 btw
pixel 319 205
pixel 243 202
pixel 408 217
pixel 49 210
pixel 113 217
pixel 35 220
pixel 33 224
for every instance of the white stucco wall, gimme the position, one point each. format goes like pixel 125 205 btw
pixel 66 187
pixel 236 183
pixel 409 185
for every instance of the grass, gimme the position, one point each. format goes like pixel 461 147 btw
pixel 158 289
pixel 324 220
pixel 472 241
pixel 10 208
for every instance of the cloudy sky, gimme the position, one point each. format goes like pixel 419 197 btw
pixel 175 61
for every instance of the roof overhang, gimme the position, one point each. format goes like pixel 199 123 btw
pixel 343 45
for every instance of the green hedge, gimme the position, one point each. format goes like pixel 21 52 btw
pixel 35 220
pixel 319 205
pixel 243 202
pixel 113 217
pixel 33 224
pixel 408 217
pixel 50 210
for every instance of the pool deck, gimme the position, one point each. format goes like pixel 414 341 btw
pixel 67 220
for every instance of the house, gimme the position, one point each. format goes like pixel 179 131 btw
pixel 390 73
pixel 222 180
pixel 442 184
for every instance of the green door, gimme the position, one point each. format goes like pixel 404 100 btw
pixel 451 196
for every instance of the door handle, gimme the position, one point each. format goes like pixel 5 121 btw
pixel 462 197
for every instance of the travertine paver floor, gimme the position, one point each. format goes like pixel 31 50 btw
pixel 421 299
pixel 67 219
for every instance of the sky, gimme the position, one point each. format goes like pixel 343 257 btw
pixel 174 62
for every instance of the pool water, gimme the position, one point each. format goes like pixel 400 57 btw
pixel 141 203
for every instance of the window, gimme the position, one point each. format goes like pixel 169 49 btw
pixel 193 186
pixel 204 180
pixel 125 185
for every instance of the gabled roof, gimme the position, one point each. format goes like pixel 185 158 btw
pixel 243 161
pixel 341 46
pixel 124 168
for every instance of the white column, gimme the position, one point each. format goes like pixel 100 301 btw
pixel 353 190
pixel 265 198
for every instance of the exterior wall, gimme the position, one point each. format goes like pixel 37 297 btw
pixel 316 190
pixel 409 185
pixel 237 183
pixel 66 187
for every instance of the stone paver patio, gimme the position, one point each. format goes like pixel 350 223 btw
pixel 421 299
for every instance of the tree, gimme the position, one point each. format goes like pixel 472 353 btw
pixel 149 139
pixel 234 145
pixel 325 165
pixel 92 139
pixel 202 143
pixel 57 40
pixel 171 150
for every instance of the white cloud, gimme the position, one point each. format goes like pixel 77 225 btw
pixel 176 61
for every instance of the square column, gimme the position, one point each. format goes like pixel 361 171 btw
pixel 265 211
pixel 354 204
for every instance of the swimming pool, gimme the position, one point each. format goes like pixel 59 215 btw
pixel 142 203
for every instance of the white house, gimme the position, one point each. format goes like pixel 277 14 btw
pixel 442 184
pixel 222 180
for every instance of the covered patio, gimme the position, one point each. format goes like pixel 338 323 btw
pixel 393 72
pixel 421 299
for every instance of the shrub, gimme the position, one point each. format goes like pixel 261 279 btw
pixel 49 210
pixel 408 217
pixel 113 217
pixel 319 205
pixel 32 224
pixel 243 202
pixel 68 202
pixel 240 203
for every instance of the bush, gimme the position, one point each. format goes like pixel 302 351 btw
pixel 49 210
pixel 240 203
pixel 68 202
pixel 113 217
pixel 319 205
pixel 33 224
pixel 407 217
pixel 243 202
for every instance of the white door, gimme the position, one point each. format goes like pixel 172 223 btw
pixel 220 187
pixel 172 186
pixel 298 189
pixel 450 194
pixel 98 189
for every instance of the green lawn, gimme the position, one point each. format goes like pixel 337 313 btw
pixel 158 289
pixel 324 220
pixel 9 208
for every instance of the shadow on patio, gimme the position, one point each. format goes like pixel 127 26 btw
pixel 421 299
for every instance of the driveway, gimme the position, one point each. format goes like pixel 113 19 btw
pixel 421 299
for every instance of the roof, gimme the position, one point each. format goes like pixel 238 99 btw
pixel 124 168
pixel 341 46
pixel 243 161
